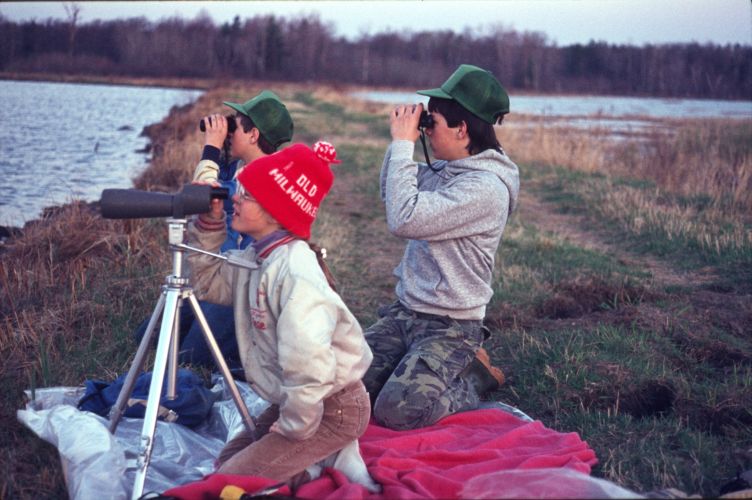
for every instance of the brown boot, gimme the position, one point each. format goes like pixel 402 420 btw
pixel 484 358
pixel 482 375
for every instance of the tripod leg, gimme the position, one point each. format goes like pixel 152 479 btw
pixel 117 411
pixel 172 367
pixel 155 390
pixel 221 363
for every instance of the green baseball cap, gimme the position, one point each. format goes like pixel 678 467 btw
pixel 269 115
pixel 477 90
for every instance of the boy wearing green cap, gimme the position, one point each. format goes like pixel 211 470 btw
pixel 428 361
pixel 262 125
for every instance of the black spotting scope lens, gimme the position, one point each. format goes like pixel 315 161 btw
pixel 231 124
pixel 219 193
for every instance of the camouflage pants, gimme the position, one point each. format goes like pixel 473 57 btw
pixel 415 377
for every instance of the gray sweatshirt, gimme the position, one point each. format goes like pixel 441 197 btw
pixel 453 220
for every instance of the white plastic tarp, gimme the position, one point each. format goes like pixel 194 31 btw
pixel 98 465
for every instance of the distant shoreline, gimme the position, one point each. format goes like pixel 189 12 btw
pixel 206 84
pixel 180 83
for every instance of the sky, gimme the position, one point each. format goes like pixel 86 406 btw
pixel 564 22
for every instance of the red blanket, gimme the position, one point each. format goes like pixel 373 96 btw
pixel 433 462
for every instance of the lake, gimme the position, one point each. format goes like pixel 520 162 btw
pixel 64 141
pixel 621 116
pixel 611 106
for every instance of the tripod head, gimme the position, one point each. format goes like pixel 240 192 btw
pixel 176 237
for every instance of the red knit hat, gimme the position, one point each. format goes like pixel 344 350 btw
pixel 290 184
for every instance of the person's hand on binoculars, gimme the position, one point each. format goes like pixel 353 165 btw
pixel 216 205
pixel 216 130
pixel 404 122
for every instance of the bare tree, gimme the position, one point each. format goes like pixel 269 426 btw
pixel 73 10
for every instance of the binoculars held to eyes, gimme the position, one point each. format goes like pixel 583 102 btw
pixel 231 124
pixel 426 120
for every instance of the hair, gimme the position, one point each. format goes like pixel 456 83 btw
pixel 320 253
pixel 264 145
pixel 482 134
pixel 320 256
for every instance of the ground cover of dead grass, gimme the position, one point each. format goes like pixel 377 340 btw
pixel 708 157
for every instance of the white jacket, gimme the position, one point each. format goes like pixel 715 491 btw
pixel 298 341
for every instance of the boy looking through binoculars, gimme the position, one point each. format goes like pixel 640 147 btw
pixel 427 346
pixel 258 128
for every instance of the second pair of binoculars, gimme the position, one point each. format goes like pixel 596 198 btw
pixel 231 124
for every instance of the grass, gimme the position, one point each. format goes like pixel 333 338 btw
pixel 655 375
pixel 685 230
pixel 658 378
pixel 709 157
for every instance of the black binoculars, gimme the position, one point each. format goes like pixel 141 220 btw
pixel 426 120
pixel 231 124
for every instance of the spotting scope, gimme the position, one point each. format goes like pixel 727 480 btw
pixel 136 204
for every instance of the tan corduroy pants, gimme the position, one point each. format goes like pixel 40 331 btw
pixel 271 455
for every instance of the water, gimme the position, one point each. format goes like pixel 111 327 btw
pixel 63 141
pixel 621 117
pixel 601 106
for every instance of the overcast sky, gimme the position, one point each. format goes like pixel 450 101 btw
pixel 564 22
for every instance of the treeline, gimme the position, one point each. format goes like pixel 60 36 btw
pixel 306 49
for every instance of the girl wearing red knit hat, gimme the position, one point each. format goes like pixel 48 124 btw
pixel 301 348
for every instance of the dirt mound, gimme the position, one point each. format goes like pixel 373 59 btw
pixel 582 295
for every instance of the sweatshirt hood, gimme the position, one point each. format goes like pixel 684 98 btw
pixel 495 162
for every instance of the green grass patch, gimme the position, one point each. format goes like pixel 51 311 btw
pixel 690 232
pixel 530 265
pixel 627 391
pixel 321 115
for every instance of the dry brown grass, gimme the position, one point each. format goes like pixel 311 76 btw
pixel 690 157
pixel 643 213
pixel 60 285
pixel 181 83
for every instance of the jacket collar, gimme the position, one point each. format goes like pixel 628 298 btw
pixel 268 243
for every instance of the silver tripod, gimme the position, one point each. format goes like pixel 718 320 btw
pixel 175 290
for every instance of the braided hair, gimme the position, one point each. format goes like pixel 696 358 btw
pixel 320 257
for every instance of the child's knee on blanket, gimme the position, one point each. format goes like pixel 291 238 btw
pixel 349 461
pixel 395 410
